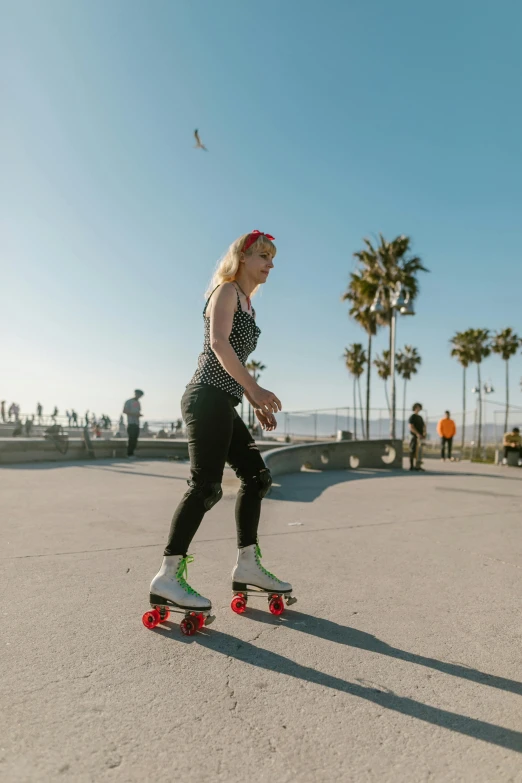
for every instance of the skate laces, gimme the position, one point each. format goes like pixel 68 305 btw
pixel 182 574
pixel 263 569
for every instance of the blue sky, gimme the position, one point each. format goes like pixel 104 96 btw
pixel 324 122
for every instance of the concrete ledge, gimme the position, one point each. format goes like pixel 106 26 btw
pixel 18 450
pixel 348 454
pixel 280 458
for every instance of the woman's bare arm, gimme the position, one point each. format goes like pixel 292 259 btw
pixel 223 305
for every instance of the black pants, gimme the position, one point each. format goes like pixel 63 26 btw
pixel 507 449
pixel 443 442
pixel 414 451
pixel 133 431
pixel 216 435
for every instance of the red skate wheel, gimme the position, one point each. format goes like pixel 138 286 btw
pixel 276 605
pixel 151 619
pixel 164 615
pixel 188 626
pixel 238 604
pixel 198 618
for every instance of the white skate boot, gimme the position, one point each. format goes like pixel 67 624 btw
pixel 170 591
pixel 249 577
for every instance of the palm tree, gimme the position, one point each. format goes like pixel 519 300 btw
pixel 386 265
pixel 355 359
pixel 255 369
pixel 383 371
pixel 382 267
pixel 506 343
pixel 478 340
pixel 407 362
pixel 360 293
pixel 461 351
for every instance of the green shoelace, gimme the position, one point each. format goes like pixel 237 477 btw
pixel 263 569
pixel 182 574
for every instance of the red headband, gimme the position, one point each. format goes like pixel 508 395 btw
pixel 253 237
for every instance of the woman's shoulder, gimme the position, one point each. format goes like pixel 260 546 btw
pixel 230 288
pixel 225 295
pixel 226 292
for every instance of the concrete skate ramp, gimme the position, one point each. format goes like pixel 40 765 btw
pixel 335 456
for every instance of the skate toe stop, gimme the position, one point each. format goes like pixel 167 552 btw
pixel 290 601
pixel 210 619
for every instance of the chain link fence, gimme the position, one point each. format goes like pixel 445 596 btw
pixel 316 424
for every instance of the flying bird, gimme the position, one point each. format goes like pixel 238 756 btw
pixel 198 145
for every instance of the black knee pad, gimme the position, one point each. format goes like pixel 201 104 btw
pixel 257 485
pixel 264 482
pixel 210 493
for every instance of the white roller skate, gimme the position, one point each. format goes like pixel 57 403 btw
pixel 249 577
pixel 170 592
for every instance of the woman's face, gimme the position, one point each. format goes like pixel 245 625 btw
pixel 258 265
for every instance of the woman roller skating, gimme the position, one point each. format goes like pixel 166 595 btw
pixel 216 435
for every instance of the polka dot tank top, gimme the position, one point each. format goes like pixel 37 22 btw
pixel 243 339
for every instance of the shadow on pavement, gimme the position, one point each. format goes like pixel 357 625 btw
pixel 135 472
pixel 307 486
pixel 352 637
pixel 116 464
pixel 267 660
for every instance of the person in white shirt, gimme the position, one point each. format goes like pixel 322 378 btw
pixel 132 410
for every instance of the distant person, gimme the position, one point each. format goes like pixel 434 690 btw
pixel 86 418
pixel 10 412
pixel 29 426
pixel 18 430
pixel 39 412
pixel 54 414
pixel 132 409
pixel 512 443
pixel 74 417
pixel 418 433
pixel 179 426
pixel 2 410
pixel 87 441
pixel 446 429
pixel 68 417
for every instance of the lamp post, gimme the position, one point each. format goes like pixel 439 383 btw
pixel 399 303
pixel 487 388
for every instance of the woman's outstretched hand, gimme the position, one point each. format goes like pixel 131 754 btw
pixel 267 420
pixel 264 400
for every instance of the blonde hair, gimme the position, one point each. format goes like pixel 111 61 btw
pixel 228 266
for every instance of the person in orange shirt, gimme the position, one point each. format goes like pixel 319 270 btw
pixel 446 429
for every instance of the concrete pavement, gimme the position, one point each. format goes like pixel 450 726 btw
pixel 401 660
